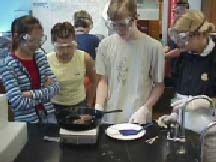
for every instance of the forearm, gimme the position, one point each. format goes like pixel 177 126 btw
pixel 91 74
pixel 91 94
pixel 172 54
pixel 45 93
pixel 20 102
pixel 17 99
pixel 101 92
pixel 155 94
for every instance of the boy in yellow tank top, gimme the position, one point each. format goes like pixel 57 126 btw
pixel 70 66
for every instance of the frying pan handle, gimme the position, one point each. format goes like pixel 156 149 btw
pixel 99 114
pixel 112 111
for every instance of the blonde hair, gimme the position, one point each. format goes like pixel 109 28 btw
pixel 194 21
pixel 119 9
pixel 84 16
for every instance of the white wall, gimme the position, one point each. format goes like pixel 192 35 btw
pixel 165 21
pixel 195 4
pixel 49 12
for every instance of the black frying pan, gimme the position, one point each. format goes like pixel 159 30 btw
pixel 80 118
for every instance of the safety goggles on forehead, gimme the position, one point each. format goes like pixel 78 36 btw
pixel 29 38
pixel 122 24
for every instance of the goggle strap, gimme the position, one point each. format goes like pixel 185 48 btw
pixel 25 37
pixel 196 30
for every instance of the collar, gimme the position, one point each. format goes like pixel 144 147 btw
pixel 208 48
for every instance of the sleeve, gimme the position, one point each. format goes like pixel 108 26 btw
pixel 96 41
pixel 14 94
pixel 158 63
pixel 171 44
pixel 174 64
pixel 100 60
pixel 213 73
pixel 45 94
pixel 176 68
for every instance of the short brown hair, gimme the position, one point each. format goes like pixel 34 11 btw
pixel 83 16
pixel 119 9
pixel 62 30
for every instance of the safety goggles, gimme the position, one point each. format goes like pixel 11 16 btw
pixel 176 37
pixel 59 46
pixel 119 25
pixel 180 38
pixel 29 39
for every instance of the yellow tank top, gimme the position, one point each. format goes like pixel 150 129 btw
pixel 70 77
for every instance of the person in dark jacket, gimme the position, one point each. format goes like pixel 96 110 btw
pixel 195 72
pixel 85 41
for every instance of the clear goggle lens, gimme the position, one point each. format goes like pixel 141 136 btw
pixel 59 46
pixel 43 39
pixel 176 37
pixel 183 35
pixel 116 25
pixel 28 37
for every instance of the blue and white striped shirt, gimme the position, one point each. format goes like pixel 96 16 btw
pixel 16 80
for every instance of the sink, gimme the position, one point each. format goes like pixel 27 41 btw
pixel 199 119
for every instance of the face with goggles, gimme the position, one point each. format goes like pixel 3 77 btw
pixel 180 38
pixel 186 41
pixel 31 42
pixel 121 27
pixel 64 49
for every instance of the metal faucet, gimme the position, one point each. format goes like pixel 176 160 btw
pixel 182 121
pixel 202 139
pixel 182 139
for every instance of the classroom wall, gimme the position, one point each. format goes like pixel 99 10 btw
pixel 10 9
pixel 53 11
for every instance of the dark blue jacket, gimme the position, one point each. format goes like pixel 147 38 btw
pixel 196 75
pixel 87 43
